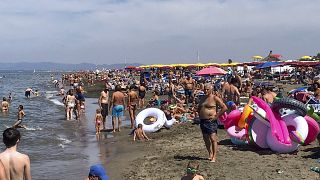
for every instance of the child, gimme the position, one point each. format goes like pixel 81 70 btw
pixel 98 120
pixel 21 114
pixel 192 169
pixel 139 133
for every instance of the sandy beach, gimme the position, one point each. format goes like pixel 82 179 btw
pixel 167 154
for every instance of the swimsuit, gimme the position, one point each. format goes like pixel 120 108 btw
pixel 142 94
pixel 208 126
pixel 27 93
pixel 117 110
pixel 104 110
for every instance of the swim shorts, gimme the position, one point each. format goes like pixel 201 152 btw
pixel 104 110
pixel 117 110
pixel 27 93
pixel 188 92
pixel 208 126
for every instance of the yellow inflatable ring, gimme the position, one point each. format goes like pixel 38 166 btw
pixel 245 114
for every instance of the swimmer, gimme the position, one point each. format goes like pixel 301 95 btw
pixel 139 134
pixel 98 121
pixel 4 105
pixel 36 93
pixel 21 114
pixel 28 92
pixel 192 169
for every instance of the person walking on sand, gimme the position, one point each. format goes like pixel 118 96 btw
pixel 118 107
pixel 192 170
pixel 17 165
pixel 21 115
pixel 103 103
pixel 208 115
pixel 132 104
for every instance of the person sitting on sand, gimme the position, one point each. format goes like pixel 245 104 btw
pixel 98 120
pixel 21 114
pixel 139 134
pixel 192 170
pixel 155 99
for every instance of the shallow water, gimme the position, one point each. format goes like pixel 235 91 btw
pixel 58 149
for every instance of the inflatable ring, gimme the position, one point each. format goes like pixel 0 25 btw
pixel 169 123
pixel 313 132
pixel 245 114
pixel 155 112
pixel 232 118
pixel 290 103
pixel 234 133
pixel 258 133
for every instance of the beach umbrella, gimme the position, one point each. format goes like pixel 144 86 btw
pixel 268 64
pixel 257 57
pixel 229 64
pixel 211 71
pixel 144 66
pixel 306 58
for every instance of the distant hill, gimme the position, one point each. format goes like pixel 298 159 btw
pixel 49 66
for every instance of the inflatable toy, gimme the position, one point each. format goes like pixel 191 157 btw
pixel 169 123
pixel 154 112
pixel 298 132
pixel 232 118
pixel 276 124
pixel 257 133
pixel 245 114
pixel 314 130
pixel 233 132
pixel 290 103
pixel 238 141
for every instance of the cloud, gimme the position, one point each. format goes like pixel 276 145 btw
pixel 156 31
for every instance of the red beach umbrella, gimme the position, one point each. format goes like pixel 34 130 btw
pixel 212 70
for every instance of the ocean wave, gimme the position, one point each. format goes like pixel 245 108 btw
pixel 57 102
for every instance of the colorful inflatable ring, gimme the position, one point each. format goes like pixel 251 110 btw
pixel 313 132
pixel 233 132
pixel 155 112
pixel 298 131
pixel 290 103
pixel 245 114
pixel 232 118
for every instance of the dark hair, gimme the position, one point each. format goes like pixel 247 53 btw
pixel 4 98
pixel 11 137
pixel 20 106
pixel 118 88
pixel 106 90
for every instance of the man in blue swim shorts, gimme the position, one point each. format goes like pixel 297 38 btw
pixel 118 107
pixel 208 120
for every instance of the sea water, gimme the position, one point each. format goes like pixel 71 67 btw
pixel 58 149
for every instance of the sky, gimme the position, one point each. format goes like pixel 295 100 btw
pixel 156 31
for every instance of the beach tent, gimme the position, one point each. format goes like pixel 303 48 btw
pixel 268 64
pixel 211 71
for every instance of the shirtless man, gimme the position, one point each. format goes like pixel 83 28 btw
pixel 208 115
pixel 4 105
pixel 17 165
pixel 230 92
pixel 3 174
pixel 132 104
pixel 21 114
pixel 103 103
pixel 139 134
pixel 268 95
pixel 189 85
pixel 28 92
pixel 118 107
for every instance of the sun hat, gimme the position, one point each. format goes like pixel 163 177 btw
pixel 98 170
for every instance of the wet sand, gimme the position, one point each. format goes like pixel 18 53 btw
pixel 167 154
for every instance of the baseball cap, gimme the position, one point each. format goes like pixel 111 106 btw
pixel 98 170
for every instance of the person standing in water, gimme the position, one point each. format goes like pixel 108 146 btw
pixel 4 105
pixel 118 107
pixel 208 116
pixel 16 165
pixel 103 103
pixel 70 104
pixel 132 104
pixel 28 92
pixel 21 115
